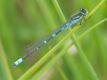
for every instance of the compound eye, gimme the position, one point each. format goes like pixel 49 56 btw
pixel 83 12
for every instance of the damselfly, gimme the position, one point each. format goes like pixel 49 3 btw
pixel 78 17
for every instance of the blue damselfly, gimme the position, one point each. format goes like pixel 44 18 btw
pixel 78 17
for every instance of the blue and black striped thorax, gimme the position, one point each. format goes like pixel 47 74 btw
pixel 75 18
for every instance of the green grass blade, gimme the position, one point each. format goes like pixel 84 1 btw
pixel 4 65
pixel 96 8
pixel 91 28
pixel 61 15
pixel 85 60
pixel 61 72
pixel 64 20
pixel 50 63
pixel 49 18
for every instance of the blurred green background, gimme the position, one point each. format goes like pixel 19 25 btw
pixel 27 21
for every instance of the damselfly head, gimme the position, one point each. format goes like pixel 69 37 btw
pixel 83 12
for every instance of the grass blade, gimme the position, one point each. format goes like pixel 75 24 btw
pixel 4 65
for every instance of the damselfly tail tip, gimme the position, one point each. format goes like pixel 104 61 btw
pixel 16 63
